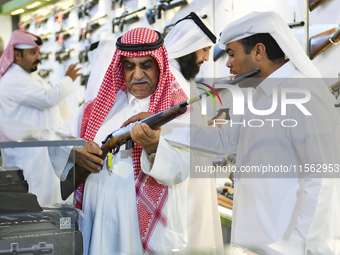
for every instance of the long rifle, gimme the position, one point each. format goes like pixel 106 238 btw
pixel 121 21
pixel 122 136
pixel 44 55
pixel 164 5
pixel 63 14
pixel 320 42
pixel 91 26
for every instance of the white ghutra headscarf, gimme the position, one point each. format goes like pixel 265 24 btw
pixel 272 23
pixel 187 36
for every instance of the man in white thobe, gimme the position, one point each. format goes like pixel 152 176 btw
pixel 134 205
pixel 286 196
pixel 188 45
pixel 26 97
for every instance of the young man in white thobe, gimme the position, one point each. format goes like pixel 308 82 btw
pixel 188 45
pixel 26 97
pixel 132 203
pixel 294 209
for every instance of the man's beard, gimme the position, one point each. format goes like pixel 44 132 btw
pixel 33 69
pixel 189 66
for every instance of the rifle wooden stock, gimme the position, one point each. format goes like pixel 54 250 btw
pixel 320 42
pixel 118 137
pixel 314 3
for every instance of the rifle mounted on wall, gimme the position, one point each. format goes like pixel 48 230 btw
pixel 63 14
pixel 83 55
pixel 314 3
pixel 84 9
pixel 335 89
pixel 63 55
pixel 43 73
pixel 44 55
pixel 92 26
pixel 120 3
pixel 84 79
pixel 122 136
pixel 45 37
pixel 63 35
pixel 122 20
pixel 320 42
pixel 164 5
pixel 42 20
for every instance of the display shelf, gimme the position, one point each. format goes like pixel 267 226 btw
pixel 14 133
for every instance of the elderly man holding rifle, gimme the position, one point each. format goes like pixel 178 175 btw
pixel 132 201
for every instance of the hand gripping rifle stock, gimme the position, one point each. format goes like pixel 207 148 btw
pixel 122 136
pixel 320 42
pixel 115 140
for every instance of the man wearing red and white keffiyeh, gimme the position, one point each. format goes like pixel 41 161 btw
pixel 137 205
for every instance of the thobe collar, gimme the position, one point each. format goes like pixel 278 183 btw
pixel 18 68
pixel 275 79
pixel 133 101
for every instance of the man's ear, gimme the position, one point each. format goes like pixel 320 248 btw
pixel 17 56
pixel 260 51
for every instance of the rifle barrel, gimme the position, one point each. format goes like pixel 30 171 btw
pixel 296 24
pixel 231 82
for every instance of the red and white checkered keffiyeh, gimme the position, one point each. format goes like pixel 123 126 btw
pixel 17 37
pixel 151 196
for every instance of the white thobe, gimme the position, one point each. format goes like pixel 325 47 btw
pixel 109 202
pixel 204 225
pixel 28 98
pixel 281 215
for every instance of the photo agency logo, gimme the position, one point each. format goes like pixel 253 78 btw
pixel 301 96
pixel 204 98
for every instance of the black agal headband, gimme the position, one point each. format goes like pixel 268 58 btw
pixel 201 25
pixel 140 46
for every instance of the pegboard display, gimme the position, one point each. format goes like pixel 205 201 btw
pixel 70 27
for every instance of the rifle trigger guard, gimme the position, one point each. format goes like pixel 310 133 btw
pixel 330 39
pixel 116 149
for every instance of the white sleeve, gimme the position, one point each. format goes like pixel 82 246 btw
pixel 60 156
pixel 171 165
pixel 315 141
pixel 206 139
pixel 33 95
